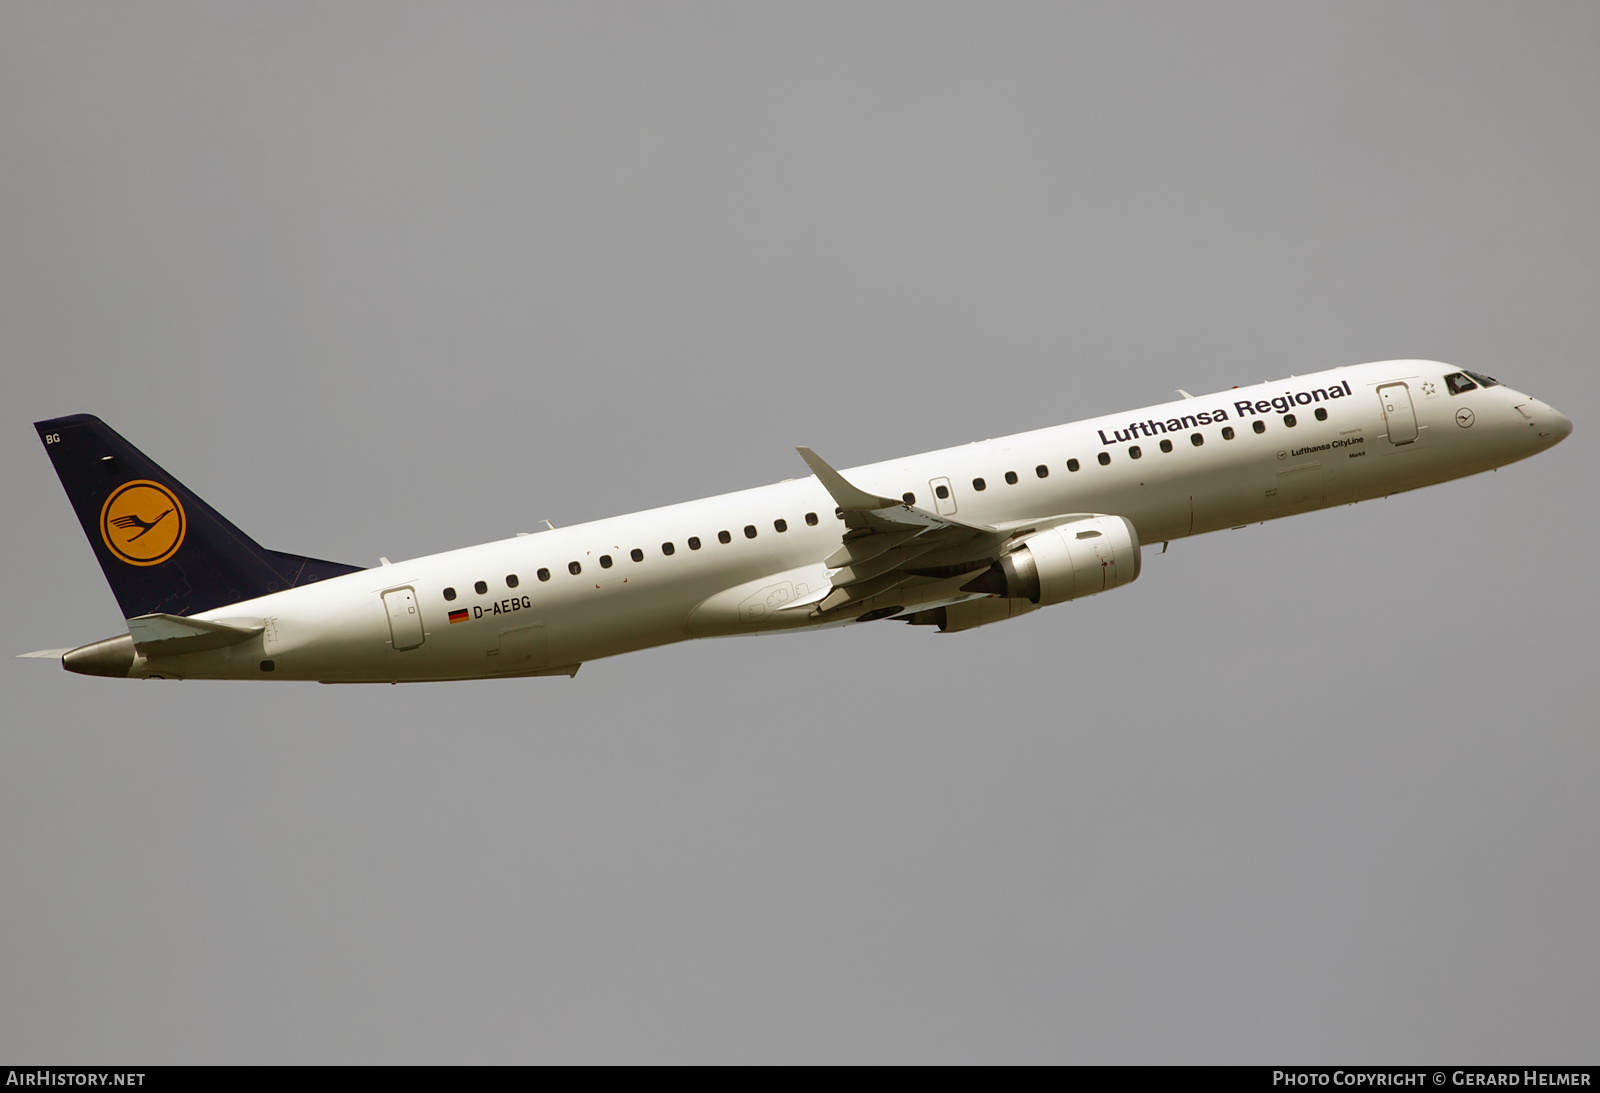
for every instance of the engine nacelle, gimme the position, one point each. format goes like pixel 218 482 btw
pixel 1064 563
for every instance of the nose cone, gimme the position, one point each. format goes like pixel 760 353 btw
pixel 1556 428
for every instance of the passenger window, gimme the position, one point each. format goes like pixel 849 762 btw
pixel 1042 471
pixel 694 542
pixel 724 537
pixel 1322 413
pixel 1166 445
pixel 668 549
pixel 979 484
pixel 942 492
pixel 1105 459
pixel 811 519
pixel 511 580
pixel 1227 432
pixel 574 568
pixel 543 574
pixel 1288 420
pixel 481 587
pixel 780 525
pixel 1259 426
pixel 1458 382
pixel 909 498
pixel 605 561
pixel 749 531
pixel 636 554
pixel 1134 452
pixel 1072 464
pixel 1011 478
pixel 449 593
pixel 1196 439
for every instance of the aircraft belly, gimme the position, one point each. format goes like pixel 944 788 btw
pixel 1159 510
pixel 241 661
pixel 760 604
pixel 578 627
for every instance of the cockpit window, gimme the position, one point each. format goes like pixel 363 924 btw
pixel 1487 381
pixel 1458 382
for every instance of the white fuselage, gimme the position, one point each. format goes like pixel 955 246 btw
pixel 393 623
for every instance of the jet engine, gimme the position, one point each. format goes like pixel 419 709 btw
pixel 1066 562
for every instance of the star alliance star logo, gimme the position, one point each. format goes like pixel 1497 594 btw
pixel 1427 388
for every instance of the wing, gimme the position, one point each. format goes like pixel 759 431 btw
pixel 888 545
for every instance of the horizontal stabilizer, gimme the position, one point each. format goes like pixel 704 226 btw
pixel 43 654
pixel 165 635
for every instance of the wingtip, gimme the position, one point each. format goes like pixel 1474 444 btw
pixel 845 493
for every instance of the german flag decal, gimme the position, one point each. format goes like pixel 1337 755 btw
pixel 458 616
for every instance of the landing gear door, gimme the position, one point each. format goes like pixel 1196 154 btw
pixel 405 618
pixel 1398 412
pixel 944 496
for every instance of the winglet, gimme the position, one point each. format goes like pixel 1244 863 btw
pixel 849 498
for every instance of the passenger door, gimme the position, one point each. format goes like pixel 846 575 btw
pixel 1398 413
pixel 405 618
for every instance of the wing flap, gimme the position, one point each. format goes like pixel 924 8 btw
pixel 844 595
pixel 865 545
pixel 885 536
pixel 885 562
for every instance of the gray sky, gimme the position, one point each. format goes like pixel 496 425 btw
pixel 390 279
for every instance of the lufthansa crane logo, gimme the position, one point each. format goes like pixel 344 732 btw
pixel 143 523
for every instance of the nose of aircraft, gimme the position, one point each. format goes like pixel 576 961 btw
pixel 1557 427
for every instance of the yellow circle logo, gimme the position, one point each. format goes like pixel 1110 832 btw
pixel 142 523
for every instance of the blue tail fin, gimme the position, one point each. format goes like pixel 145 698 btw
pixel 161 547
